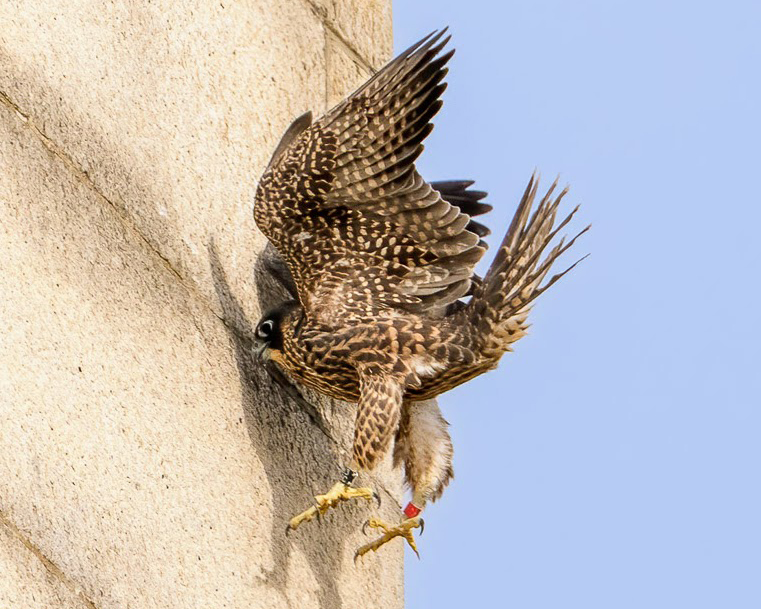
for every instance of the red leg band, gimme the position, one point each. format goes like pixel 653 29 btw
pixel 411 510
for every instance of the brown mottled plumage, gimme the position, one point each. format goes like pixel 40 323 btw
pixel 380 259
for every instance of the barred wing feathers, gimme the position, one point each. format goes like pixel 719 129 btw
pixel 359 228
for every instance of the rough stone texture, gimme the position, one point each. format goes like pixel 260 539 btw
pixel 351 21
pixel 173 110
pixel 144 457
pixel 28 581
pixel 345 71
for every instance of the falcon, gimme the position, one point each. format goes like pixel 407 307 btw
pixel 387 311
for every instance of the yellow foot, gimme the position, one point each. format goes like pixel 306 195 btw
pixel 403 529
pixel 340 492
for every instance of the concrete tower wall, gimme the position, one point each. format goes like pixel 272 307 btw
pixel 145 459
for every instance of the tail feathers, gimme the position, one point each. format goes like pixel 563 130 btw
pixel 501 303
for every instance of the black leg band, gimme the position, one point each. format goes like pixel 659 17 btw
pixel 349 476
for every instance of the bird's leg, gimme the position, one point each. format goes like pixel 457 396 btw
pixel 341 491
pixel 403 529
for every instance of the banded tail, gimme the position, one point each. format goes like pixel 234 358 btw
pixel 501 302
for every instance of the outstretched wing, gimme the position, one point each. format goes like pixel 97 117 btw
pixel 456 192
pixel 358 227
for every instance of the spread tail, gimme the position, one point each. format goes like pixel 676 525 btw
pixel 501 302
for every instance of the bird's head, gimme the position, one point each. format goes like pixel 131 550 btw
pixel 271 330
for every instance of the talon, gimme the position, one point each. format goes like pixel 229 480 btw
pixel 403 529
pixel 288 529
pixel 422 528
pixel 377 498
pixel 339 493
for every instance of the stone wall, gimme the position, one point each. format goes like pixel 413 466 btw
pixel 145 459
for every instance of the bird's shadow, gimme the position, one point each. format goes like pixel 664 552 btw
pixel 289 437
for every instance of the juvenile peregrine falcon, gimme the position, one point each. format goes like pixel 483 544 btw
pixel 382 265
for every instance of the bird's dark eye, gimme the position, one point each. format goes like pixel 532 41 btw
pixel 265 329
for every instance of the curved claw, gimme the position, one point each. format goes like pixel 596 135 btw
pixel 377 498
pixel 364 532
pixel 422 528
pixel 288 530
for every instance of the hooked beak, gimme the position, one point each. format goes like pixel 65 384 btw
pixel 261 352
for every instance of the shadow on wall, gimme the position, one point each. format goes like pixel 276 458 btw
pixel 295 447
pixel 277 431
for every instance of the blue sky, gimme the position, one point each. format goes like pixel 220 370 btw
pixel 614 459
